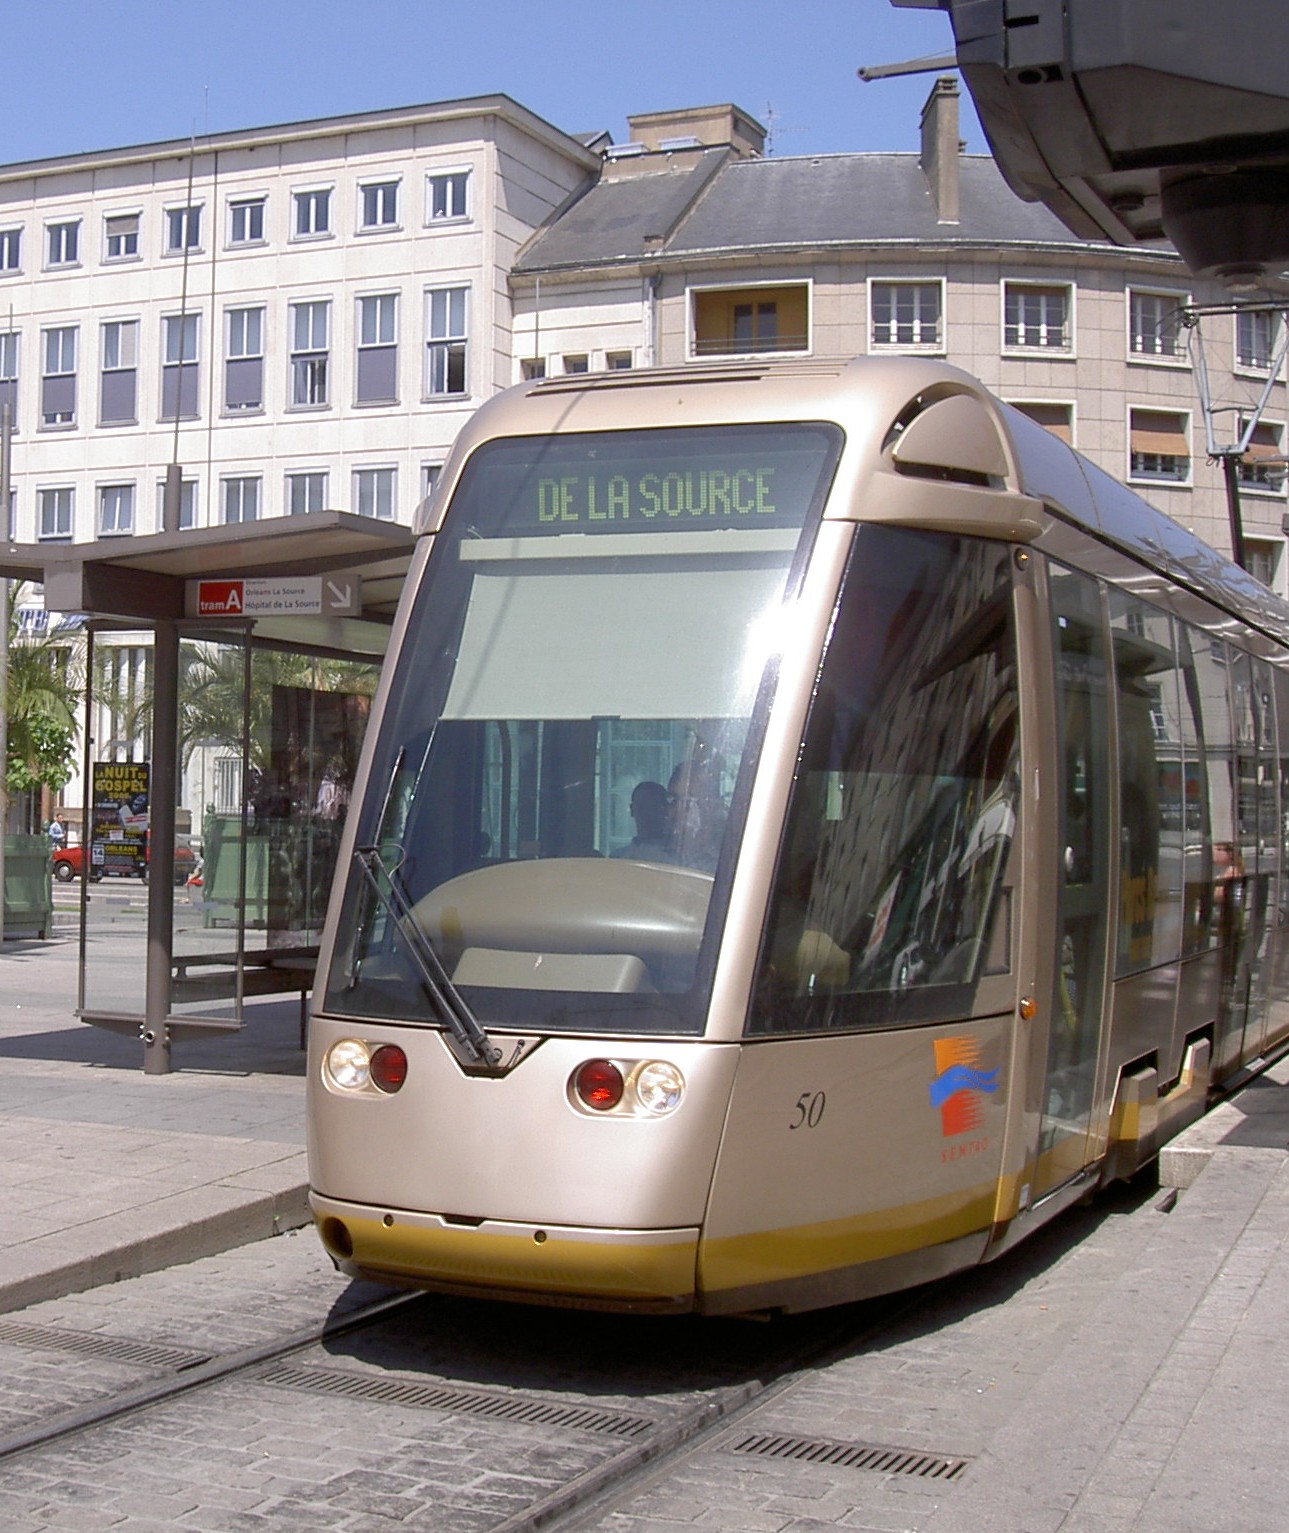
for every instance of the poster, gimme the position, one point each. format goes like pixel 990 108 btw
pixel 119 829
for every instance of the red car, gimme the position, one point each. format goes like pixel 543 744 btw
pixel 69 860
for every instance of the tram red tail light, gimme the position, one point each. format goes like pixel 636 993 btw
pixel 389 1067
pixel 599 1084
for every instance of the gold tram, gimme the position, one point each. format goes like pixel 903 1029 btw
pixel 814 826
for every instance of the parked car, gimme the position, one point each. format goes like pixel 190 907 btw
pixel 69 860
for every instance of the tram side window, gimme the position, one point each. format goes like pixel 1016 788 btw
pixel 1151 831
pixel 1280 685
pixel 1197 839
pixel 1216 868
pixel 890 875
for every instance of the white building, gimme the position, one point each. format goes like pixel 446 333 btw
pixel 300 316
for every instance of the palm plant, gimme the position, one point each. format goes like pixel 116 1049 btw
pixel 45 685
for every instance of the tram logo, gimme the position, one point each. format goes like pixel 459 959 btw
pixel 960 1085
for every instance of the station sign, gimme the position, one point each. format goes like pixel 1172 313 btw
pixel 338 594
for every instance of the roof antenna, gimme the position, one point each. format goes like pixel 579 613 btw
pixel 772 129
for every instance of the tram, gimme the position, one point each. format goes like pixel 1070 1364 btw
pixel 814 827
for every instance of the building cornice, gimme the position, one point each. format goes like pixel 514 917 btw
pixel 646 263
pixel 500 106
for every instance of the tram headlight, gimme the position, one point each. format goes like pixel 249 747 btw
pixel 348 1064
pixel 659 1087
pixel 649 1088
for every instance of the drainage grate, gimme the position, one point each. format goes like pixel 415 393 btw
pixel 356 1386
pixel 928 1466
pixel 107 1348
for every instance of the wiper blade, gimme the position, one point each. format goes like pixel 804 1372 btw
pixel 447 1000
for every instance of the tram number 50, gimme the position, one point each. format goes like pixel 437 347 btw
pixel 808 1111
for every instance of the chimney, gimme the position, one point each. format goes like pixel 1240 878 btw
pixel 699 127
pixel 940 147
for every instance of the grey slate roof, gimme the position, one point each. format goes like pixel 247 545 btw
pixel 726 205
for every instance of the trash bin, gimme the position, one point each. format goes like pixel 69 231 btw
pixel 28 887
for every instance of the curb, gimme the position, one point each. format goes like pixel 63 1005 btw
pixel 203 1222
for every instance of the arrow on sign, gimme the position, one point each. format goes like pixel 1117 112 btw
pixel 343 595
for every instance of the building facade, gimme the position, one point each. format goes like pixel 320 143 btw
pixel 692 246
pixel 300 317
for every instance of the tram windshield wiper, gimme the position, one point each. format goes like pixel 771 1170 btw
pixel 451 1006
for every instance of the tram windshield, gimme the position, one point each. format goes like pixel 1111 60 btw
pixel 563 763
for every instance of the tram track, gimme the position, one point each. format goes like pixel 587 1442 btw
pixel 644 1442
pixel 596 1492
pixel 186 1378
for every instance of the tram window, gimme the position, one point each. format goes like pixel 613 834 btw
pixel 891 872
pixel 1194 660
pixel 598 612
pixel 1280 685
pixel 1151 831
pixel 1223 863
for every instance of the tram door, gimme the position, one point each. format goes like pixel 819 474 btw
pixel 1081 884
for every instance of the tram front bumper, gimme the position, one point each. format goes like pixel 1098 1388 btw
pixel 609 1268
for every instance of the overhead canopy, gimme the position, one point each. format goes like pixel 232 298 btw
pixel 144 578
pixel 22 561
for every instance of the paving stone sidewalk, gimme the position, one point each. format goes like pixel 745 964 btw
pixel 106 1172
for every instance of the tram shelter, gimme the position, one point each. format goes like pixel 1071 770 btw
pixel 238 671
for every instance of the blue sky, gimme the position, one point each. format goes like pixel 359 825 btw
pixel 103 74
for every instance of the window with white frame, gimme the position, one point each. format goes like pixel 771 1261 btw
pixel 310 329
pixel 63 243
pixel 246 220
pixel 240 499
pixel 1262 466
pixel 9 375
pixel 1263 558
pixel 618 361
pixel 378 205
pixel 447 195
pixel 906 315
pixel 10 250
pixel 187 504
pixel 58 376
pixel 118 399
pixel 734 321
pixel 1255 338
pixel 532 368
pixel 305 492
pixel 244 359
pixel 377 371
pixel 183 229
pixel 180 398
pixel 1159 446
pixel 1154 325
pixel 312 216
pixel 445 341
pixel 1056 418
pixel 576 362
pixel 115 510
pixel 1036 317
pixel 431 473
pixel 121 237
pixel 374 493
pixel 57 510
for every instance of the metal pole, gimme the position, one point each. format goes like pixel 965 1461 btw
pixel 1230 471
pixel 161 839
pixel 6 444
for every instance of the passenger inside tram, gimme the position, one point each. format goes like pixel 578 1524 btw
pixel 651 811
